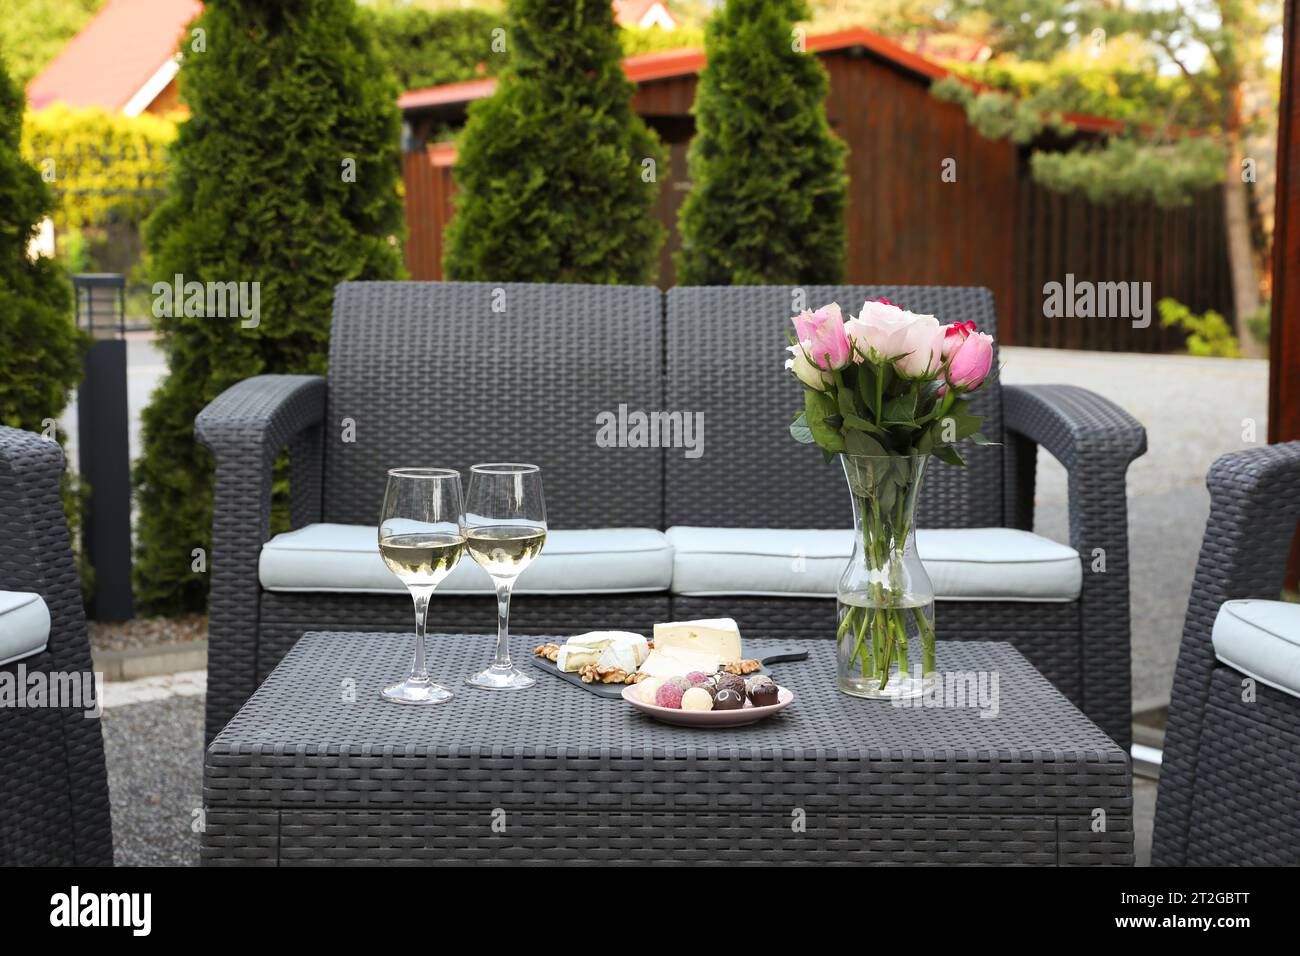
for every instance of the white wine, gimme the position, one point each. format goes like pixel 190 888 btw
pixel 422 558
pixel 504 550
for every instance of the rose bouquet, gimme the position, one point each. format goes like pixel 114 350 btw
pixel 885 391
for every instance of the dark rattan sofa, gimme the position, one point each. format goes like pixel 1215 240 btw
pixel 456 373
pixel 53 786
pixel 1230 779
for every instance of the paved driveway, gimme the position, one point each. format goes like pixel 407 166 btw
pixel 1194 410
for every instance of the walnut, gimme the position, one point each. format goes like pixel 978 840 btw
pixel 742 667
pixel 591 674
pixel 550 651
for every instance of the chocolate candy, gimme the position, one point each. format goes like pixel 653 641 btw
pixel 763 693
pixel 728 698
pixel 731 682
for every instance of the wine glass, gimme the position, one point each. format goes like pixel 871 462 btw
pixel 505 528
pixel 421 541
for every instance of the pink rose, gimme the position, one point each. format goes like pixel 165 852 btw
pixel 823 335
pixel 971 361
pixel 954 334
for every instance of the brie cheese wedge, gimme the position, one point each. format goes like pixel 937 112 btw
pixel 718 637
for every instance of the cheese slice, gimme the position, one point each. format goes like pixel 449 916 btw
pixel 574 657
pixel 718 637
pixel 604 648
pixel 678 662
pixel 619 657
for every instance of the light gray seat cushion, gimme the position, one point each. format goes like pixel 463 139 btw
pixel 24 625
pixel 1262 640
pixel 966 564
pixel 345 558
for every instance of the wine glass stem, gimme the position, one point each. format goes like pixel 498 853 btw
pixel 502 659
pixel 419 667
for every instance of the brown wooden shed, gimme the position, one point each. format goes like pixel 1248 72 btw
pixel 992 226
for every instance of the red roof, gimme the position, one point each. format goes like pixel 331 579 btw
pixel 628 13
pixel 114 55
pixel 687 61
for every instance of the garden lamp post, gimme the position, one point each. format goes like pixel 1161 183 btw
pixel 104 457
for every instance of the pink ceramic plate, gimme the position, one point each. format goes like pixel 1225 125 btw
pixel 749 714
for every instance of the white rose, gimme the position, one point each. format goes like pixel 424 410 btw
pixel 877 329
pixel 920 347
pixel 804 369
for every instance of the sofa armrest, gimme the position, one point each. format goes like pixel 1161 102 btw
pixel 246 426
pixel 1254 507
pixel 35 548
pixel 1095 440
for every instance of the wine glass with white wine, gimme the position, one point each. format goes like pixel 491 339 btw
pixel 505 529
pixel 421 541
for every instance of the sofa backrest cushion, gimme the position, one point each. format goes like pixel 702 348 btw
pixel 725 352
pixel 455 373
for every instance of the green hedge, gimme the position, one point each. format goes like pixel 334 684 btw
pixel 557 176
pixel 286 97
pixel 104 166
pixel 40 347
pixel 432 47
pixel 768 187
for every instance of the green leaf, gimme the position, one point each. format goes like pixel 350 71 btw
pixel 950 455
pixel 800 431
pixel 848 407
pixel 818 408
pixel 927 399
pixel 867 388
pixel 886 493
pixel 901 409
pixel 859 443
pixel 862 425
pixel 979 439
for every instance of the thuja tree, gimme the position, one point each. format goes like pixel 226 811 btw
pixel 40 347
pixel 557 176
pixel 283 181
pixel 768 185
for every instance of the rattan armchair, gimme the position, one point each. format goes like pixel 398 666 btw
pixel 54 807
pixel 1230 778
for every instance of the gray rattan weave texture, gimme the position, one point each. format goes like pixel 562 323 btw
pixel 589 349
pixel 304 773
pixel 1230 780
pixel 725 346
pixel 53 785
pixel 446 377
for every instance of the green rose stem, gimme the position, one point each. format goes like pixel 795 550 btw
pixel 927 642
pixel 861 643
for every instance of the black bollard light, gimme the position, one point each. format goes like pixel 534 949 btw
pixel 103 444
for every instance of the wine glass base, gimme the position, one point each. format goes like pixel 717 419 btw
pixel 412 691
pixel 500 678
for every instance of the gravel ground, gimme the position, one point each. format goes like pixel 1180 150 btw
pixel 154 753
pixel 147 632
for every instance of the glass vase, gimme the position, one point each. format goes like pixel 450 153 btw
pixel 885 641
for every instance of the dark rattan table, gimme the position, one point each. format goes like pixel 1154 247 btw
pixel 315 768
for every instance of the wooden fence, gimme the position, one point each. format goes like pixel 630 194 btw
pixel 1180 251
